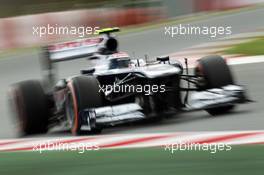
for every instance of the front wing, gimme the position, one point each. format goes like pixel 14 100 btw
pixel 202 100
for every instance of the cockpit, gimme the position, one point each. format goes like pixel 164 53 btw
pixel 119 60
pixel 118 63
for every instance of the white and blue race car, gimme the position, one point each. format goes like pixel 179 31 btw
pixel 120 89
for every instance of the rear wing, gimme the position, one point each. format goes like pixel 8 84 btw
pixel 79 48
pixel 73 49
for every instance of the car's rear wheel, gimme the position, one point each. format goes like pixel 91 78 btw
pixel 83 93
pixel 215 73
pixel 30 105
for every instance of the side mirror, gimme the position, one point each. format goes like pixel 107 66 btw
pixel 93 58
pixel 163 59
pixel 88 71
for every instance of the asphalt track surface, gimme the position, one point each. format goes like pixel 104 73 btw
pixel 154 42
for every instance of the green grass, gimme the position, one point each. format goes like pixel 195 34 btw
pixel 241 160
pixel 255 47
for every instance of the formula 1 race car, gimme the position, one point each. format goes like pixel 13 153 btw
pixel 119 89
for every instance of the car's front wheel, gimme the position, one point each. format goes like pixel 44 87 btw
pixel 215 73
pixel 83 94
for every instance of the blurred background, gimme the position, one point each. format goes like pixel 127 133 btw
pixel 19 17
pixel 142 23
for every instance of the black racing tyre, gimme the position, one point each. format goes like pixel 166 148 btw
pixel 83 93
pixel 30 105
pixel 216 74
